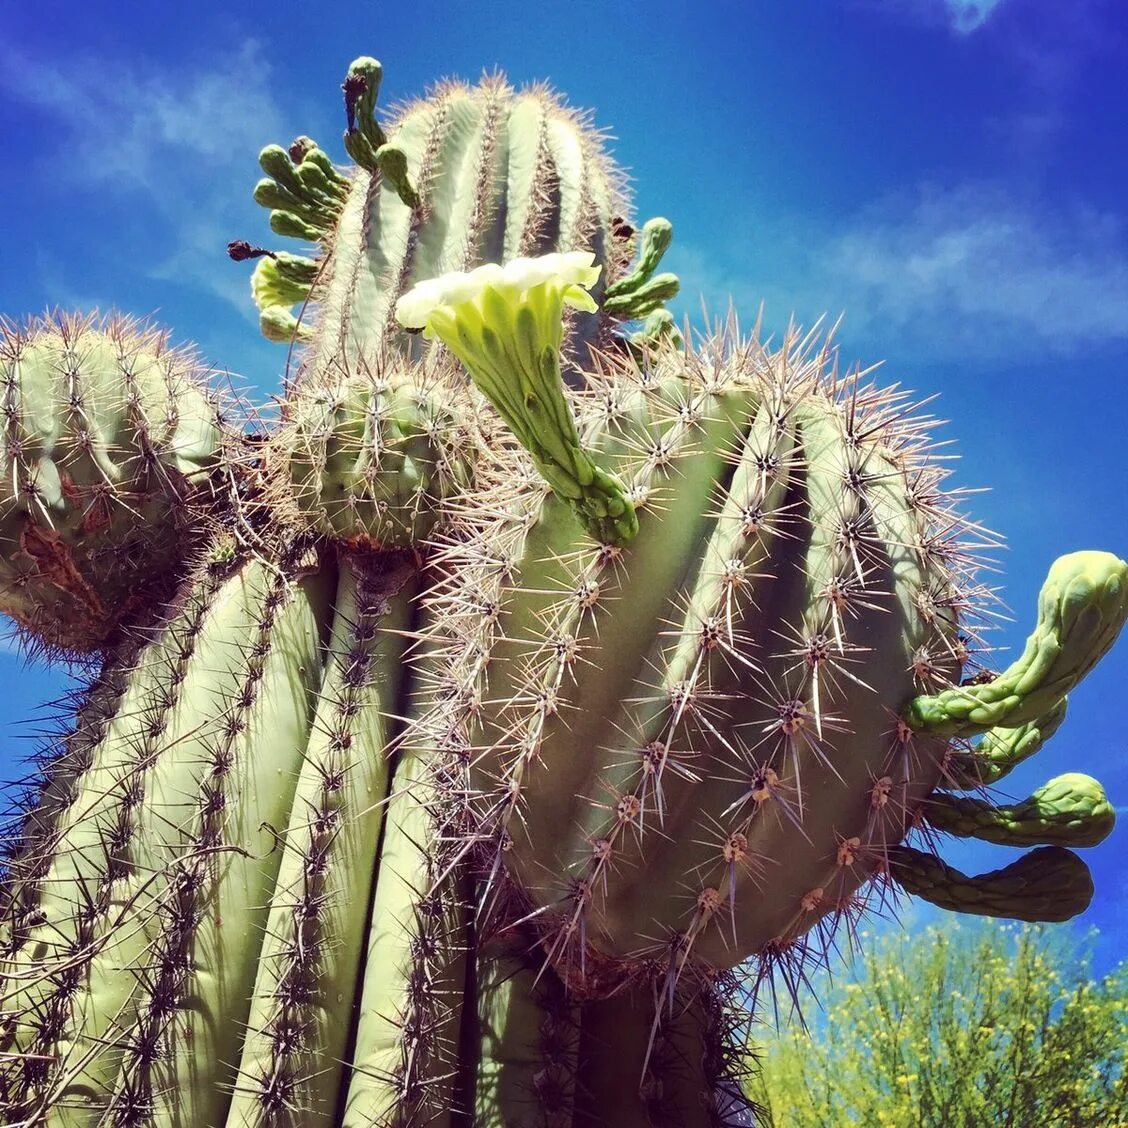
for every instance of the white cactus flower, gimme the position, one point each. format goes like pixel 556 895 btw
pixel 506 325
pixel 571 274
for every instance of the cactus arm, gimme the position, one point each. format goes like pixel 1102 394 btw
pixel 149 832
pixel 296 1038
pixel 657 235
pixel 1049 883
pixel 1070 810
pixel 568 589
pixel 1081 608
pixel 1001 750
pixel 363 137
pixel 107 439
pixel 225 808
pixel 374 461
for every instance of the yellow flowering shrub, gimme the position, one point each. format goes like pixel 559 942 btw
pixel 964 1026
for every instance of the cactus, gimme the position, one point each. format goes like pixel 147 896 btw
pixel 453 744
pixel 109 439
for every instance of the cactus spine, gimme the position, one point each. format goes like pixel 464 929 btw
pixel 108 440
pixel 529 676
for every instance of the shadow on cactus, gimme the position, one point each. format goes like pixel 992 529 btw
pixel 534 672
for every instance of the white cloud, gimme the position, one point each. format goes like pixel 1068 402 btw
pixel 961 16
pixel 968 15
pixel 947 271
pixel 120 121
pixel 183 140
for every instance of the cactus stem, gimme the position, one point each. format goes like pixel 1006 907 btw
pixel 1081 609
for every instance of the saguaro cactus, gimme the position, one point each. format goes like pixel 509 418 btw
pixel 534 672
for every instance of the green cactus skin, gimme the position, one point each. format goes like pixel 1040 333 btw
pixel 470 175
pixel 1001 750
pixel 371 460
pixel 1071 810
pixel 432 797
pixel 108 440
pixel 1048 884
pixel 1081 609
pixel 658 722
pixel 297 1039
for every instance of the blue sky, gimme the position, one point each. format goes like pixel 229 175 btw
pixel 949 174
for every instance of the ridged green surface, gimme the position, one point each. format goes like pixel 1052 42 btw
pixel 1081 609
pixel 373 460
pixel 502 173
pixel 1048 884
pixel 107 438
pixel 298 1030
pixel 1002 749
pixel 678 737
pixel 1071 810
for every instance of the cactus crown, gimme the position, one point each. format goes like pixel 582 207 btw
pixel 469 175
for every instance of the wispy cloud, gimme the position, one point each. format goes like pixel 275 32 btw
pixel 961 16
pixel 179 140
pixel 968 15
pixel 944 272
pixel 122 121
pixel 1041 49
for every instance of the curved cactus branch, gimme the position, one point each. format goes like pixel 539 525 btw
pixel 391 160
pixel 1081 608
pixel 1070 810
pixel 1048 884
pixel 1001 750
pixel 363 135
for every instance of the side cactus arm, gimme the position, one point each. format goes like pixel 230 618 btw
pixel 1048 884
pixel 1081 609
pixel 1070 810
pixel 108 438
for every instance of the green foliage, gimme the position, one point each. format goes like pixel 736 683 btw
pixel 963 1026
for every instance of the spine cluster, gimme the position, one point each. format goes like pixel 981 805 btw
pixel 107 441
